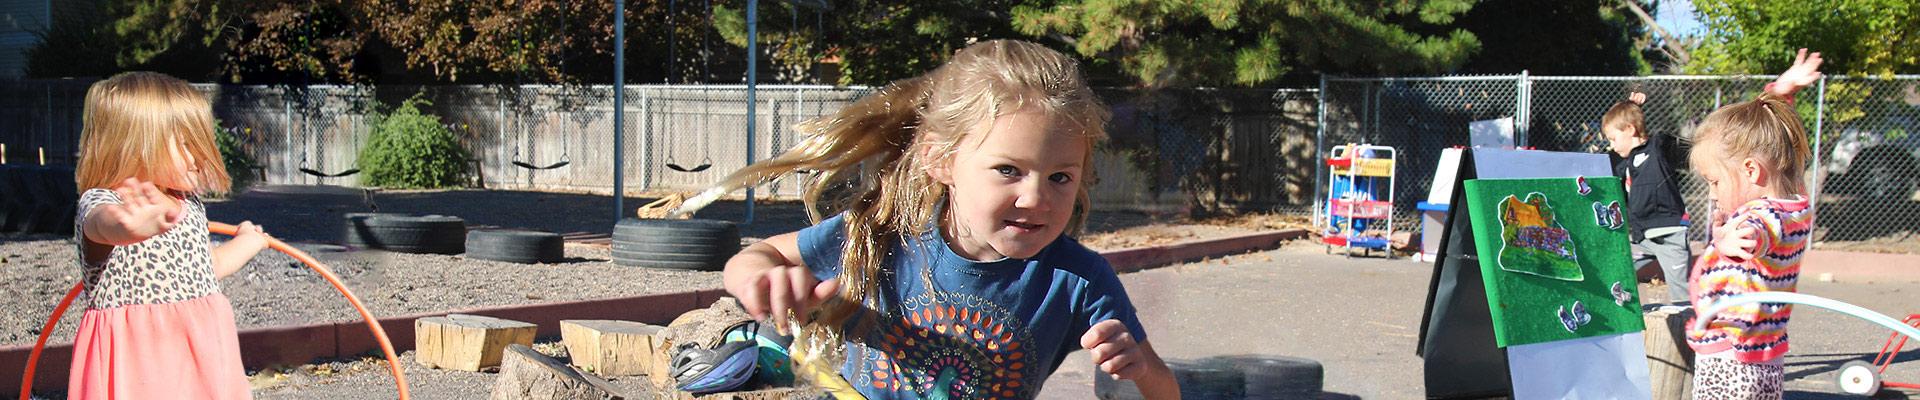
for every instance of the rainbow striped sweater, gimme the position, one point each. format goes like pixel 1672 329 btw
pixel 1754 332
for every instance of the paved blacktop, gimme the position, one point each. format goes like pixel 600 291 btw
pixel 1360 318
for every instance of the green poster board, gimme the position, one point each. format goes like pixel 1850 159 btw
pixel 1556 258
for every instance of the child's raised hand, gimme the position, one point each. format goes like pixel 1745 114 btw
pixel 1804 72
pixel 144 210
pixel 1638 98
pixel 1734 238
pixel 782 288
pixel 1113 349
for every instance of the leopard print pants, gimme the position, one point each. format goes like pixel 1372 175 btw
pixel 1717 378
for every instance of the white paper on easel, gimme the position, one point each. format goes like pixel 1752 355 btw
pixel 1443 178
pixel 1600 367
pixel 1494 133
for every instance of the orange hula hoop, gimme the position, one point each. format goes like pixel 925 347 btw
pixel 379 334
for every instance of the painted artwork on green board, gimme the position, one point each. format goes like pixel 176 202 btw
pixel 1555 258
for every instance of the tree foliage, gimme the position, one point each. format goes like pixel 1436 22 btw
pixel 1246 43
pixel 1860 37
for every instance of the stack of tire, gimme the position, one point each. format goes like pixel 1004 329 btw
pixel 37 199
pixel 421 234
pixel 1230 377
pixel 685 244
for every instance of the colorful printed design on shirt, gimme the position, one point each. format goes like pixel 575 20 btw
pixel 1535 243
pixel 1754 332
pixel 957 346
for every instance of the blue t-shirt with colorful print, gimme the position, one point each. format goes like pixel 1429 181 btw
pixel 989 330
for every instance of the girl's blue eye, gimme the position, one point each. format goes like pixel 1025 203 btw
pixel 1007 170
pixel 1060 177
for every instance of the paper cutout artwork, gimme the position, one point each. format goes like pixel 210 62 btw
pixel 1620 295
pixel 1534 242
pixel 1573 320
pixel 1608 215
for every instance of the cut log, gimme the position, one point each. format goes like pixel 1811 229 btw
pixel 1669 359
pixel 467 342
pixel 608 347
pixel 526 374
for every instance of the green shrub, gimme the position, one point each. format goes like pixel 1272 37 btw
pixel 409 149
pixel 239 164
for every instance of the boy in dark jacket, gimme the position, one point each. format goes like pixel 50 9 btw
pixel 1656 213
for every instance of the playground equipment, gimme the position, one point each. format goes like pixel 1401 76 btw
pixel 1358 209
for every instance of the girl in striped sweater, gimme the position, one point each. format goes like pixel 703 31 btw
pixel 1753 156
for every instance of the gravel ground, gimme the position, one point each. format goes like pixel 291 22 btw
pixel 275 290
pixel 1363 332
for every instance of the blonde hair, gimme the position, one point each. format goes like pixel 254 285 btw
pixel 127 127
pixel 1765 129
pixel 1626 114
pixel 878 153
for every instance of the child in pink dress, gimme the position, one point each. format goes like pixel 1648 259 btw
pixel 156 325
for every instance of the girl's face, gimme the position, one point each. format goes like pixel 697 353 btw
pixel 184 175
pixel 1012 186
pixel 1730 183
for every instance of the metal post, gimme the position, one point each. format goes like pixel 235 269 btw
pixel 1819 117
pixel 619 106
pixel 1522 114
pixel 753 64
pixel 1319 143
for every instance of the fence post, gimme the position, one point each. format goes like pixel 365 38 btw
pixel 1522 111
pixel 1819 117
pixel 1319 139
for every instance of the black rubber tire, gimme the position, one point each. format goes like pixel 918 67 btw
pixel 12 197
pixel 1197 381
pixel 674 248
pixel 57 185
pixel 695 244
pixel 1275 377
pixel 516 246
pixel 431 234
pixel 40 203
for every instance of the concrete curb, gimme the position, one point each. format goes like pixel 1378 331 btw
pixel 301 344
pixel 1141 258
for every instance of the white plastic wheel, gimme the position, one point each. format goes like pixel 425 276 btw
pixel 1859 377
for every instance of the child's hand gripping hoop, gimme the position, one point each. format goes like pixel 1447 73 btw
pixel 373 324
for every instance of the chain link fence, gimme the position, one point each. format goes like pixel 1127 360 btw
pixel 1866 180
pixel 1188 150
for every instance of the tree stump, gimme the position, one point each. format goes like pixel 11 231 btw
pixel 526 374
pixel 467 342
pixel 1669 359
pixel 610 348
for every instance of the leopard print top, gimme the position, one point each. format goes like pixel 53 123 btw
pixel 174 266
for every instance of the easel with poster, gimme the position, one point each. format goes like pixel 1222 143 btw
pixel 1533 295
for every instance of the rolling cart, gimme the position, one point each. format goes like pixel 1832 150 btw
pixel 1358 209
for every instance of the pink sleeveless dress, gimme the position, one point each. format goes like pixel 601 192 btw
pixel 156 325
